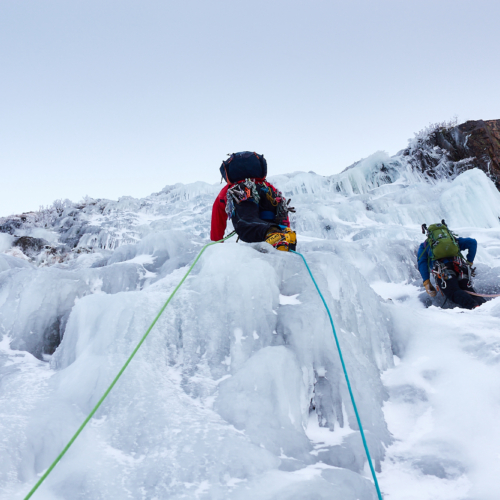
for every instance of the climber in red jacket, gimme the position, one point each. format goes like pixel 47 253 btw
pixel 258 210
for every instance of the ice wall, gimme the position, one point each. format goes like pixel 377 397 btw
pixel 220 396
pixel 238 391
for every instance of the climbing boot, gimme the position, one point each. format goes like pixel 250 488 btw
pixel 282 239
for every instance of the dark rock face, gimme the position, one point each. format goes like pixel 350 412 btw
pixel 483 142
pixel 9 225
pixel 450 150
pixel 31 246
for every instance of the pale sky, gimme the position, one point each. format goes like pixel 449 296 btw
pixel 108 98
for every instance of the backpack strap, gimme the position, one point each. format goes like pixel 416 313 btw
pixel 454 237
pixel 225 163
pixel 426 244
pixel 263 163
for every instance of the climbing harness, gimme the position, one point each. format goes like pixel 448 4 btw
pixel 346 378
pixel 460 270
pixel 249 189
pixel 242 191
pixel 277 200
pixel 442 273
pixel 108 390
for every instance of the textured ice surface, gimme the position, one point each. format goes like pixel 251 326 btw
pixel 238 392
pixel 6 241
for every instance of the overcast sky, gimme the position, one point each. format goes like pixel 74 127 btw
pixel 110 98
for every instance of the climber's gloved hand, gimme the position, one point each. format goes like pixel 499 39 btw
pixel 429 288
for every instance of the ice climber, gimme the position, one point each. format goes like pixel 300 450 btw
pixel 441 255
pixel 258 211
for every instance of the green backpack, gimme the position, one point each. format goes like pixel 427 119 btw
pixel 442 242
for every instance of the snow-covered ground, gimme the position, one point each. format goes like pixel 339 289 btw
pixel 238 392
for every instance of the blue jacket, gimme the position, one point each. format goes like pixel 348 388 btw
pixel 469 244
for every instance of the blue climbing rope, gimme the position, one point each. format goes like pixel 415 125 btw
pixel 346 378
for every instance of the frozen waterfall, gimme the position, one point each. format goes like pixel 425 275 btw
pixel 238 392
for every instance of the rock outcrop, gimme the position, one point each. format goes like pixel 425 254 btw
pixel 31 246
pixel 449 150
pixel 483 142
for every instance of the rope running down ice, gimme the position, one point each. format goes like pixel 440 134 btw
pixel 481 294
pixel 346 378
pixel 108 390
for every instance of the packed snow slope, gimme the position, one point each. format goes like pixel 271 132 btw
pixel 238 392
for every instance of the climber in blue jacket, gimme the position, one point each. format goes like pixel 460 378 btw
pixel 453 274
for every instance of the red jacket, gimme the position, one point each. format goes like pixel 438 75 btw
pixel 219 216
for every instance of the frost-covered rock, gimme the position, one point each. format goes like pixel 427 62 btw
pixel 447 149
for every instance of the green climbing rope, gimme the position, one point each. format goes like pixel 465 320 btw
pixel 346 378
pixel 108 390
